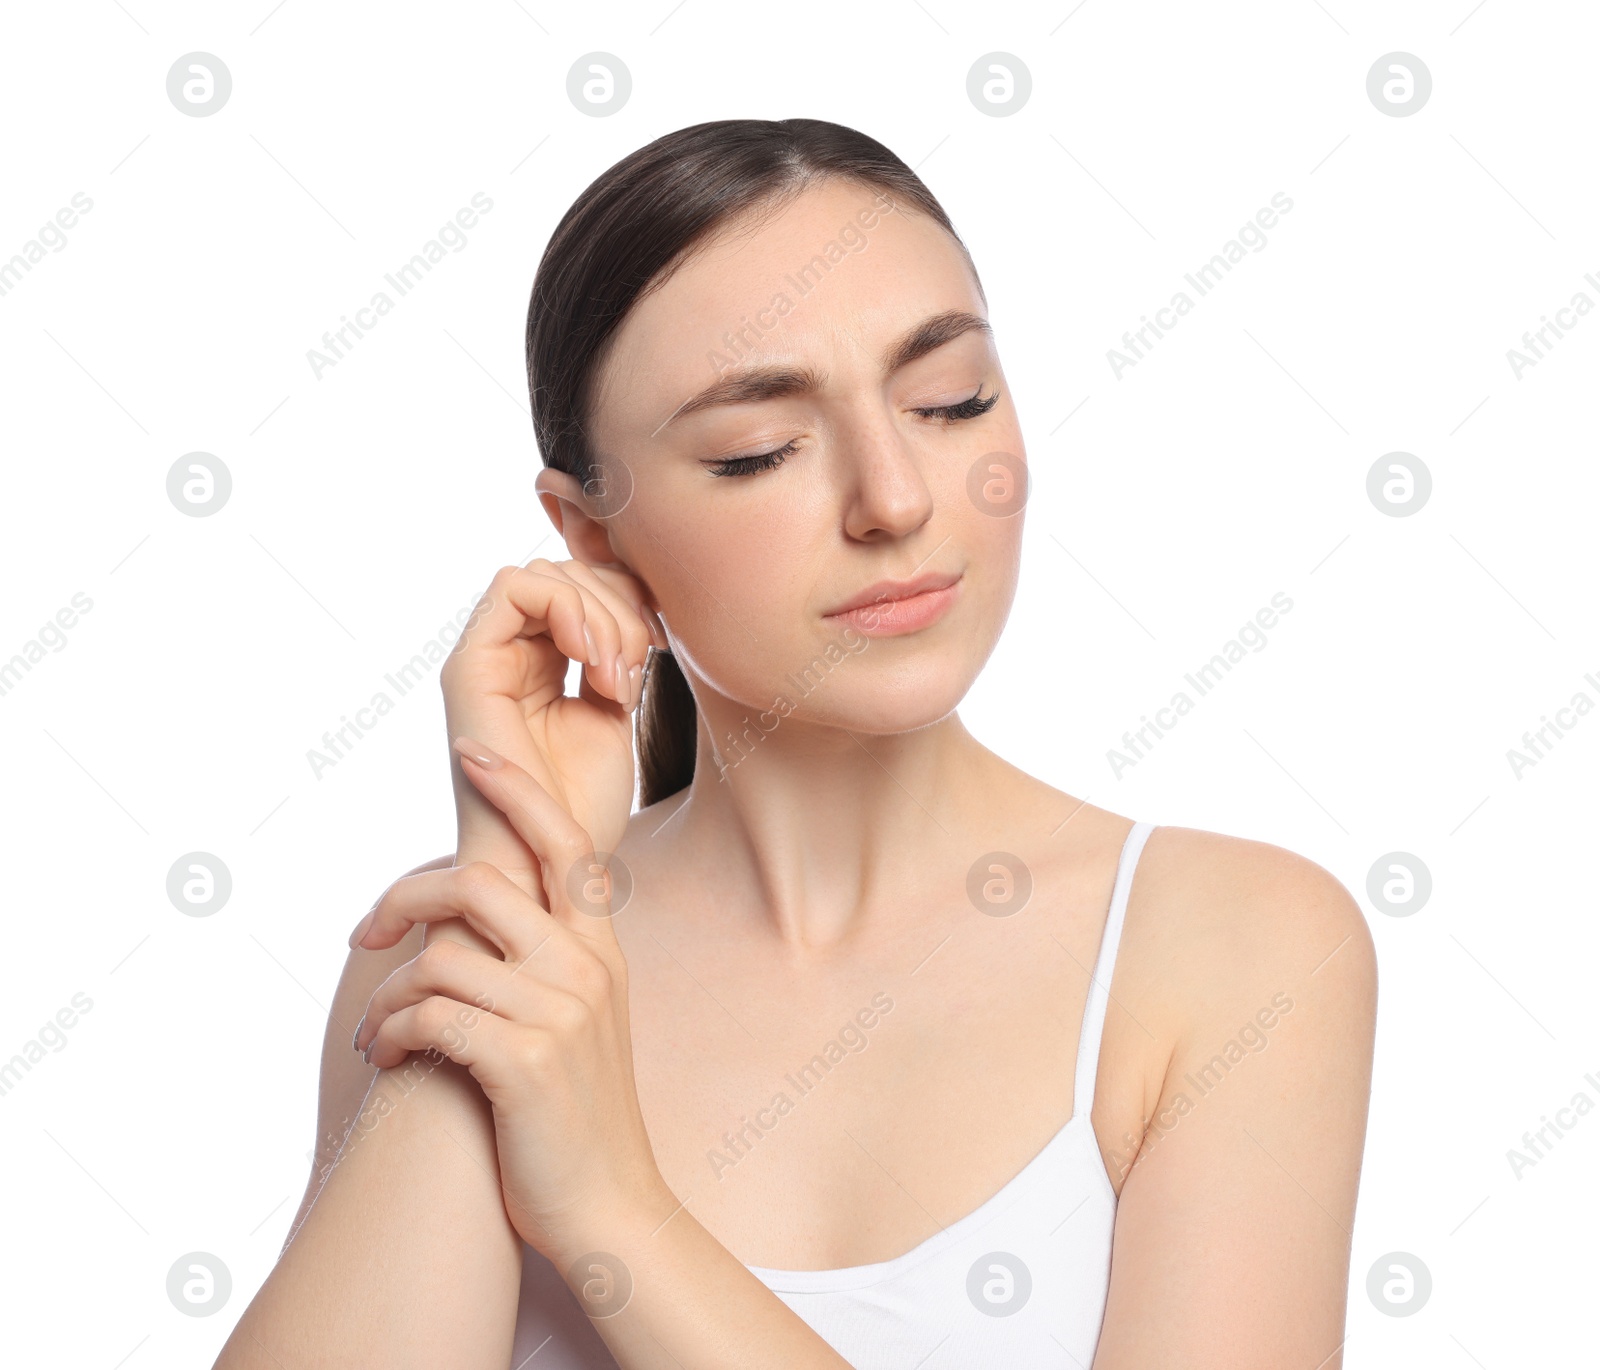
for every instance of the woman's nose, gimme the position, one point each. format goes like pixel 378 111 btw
pixel 886 490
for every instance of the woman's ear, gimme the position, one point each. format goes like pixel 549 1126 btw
pixel 588 538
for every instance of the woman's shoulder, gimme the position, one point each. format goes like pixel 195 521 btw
pixel 1237 953
pixel 1255 1015
pixel 1227 921
pixel 1219 899
pixel 1247 898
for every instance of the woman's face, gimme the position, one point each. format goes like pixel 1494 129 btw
pixel 826 330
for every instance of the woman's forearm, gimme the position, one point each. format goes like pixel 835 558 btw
pixel 406 1258
pixel 665 1294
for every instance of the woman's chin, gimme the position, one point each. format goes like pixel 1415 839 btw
pixel 883 708
pixel 858 693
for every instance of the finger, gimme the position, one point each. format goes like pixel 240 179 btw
pixel 447 968
pixel 478 892
pixel 631 590
pixel 537 601
pixel 463 1032
pixel 596 627
pixel 497 1051
pixel 583 619
pixel 566 852
pixel 640 625
pixel 637 636
pixel 572 983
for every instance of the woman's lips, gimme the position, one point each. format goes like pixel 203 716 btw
pixel 894 617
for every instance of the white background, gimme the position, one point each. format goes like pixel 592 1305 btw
pixel 371 505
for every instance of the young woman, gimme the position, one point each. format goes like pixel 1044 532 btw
pixel 855 1044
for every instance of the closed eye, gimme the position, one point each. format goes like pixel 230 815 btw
pixel 973 408
pixel 946 414
pixel 745 466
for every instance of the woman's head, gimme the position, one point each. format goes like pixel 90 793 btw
pixel 746 287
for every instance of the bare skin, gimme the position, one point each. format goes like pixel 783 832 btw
pixel 830 865
pixel 1181 990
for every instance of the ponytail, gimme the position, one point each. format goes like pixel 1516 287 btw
pixel 666 729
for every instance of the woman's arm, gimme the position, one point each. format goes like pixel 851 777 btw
pixel 379 1269
pixel 550 1044
pixel 1233 1231
pixel 344 1077
pixel 689 1302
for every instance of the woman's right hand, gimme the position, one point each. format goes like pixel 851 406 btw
pixel 505 685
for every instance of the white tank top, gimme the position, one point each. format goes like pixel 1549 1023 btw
pixel 1016 1283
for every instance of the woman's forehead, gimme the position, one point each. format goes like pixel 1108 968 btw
pixel 832 272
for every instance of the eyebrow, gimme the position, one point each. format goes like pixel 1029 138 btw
pixel 753 384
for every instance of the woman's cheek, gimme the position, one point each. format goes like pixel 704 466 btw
pixel 736 605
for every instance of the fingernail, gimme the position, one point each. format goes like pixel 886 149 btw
pixel 635 675
pixel 590 646
pixel 367 1054
pixel 476 751
pixel 658 630
pixel 356 1040
pixel 619 676
pixel 361 928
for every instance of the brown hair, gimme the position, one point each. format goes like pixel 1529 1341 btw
pixel 623 237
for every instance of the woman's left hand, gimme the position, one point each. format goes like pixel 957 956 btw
pixel 542 1026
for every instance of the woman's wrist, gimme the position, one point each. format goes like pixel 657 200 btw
pixel 664 1293
pixel 621 1233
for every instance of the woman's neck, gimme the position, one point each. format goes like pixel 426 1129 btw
pixel 827 835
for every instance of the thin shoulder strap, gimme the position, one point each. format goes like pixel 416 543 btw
pixel 1094 1009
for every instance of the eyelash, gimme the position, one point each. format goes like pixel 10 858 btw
pixel 947 414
